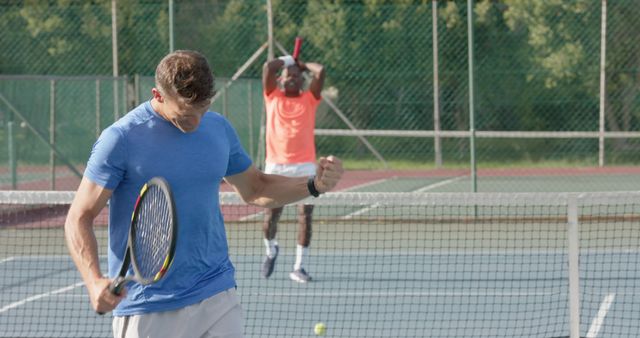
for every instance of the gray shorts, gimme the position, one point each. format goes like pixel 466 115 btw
pixel 217 316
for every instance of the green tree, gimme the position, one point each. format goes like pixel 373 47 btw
pixel 63 37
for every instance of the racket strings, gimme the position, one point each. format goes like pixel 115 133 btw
pixel 153 233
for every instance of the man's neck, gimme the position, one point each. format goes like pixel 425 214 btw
pixel 292 94
pixel 157 107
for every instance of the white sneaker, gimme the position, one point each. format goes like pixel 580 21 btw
pixel 300 276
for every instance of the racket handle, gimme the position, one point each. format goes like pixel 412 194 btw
pixel 117 285
pixel 297 47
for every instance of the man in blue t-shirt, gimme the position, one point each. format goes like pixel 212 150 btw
pixel 175 136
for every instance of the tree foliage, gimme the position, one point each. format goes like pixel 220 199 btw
pixel 536 62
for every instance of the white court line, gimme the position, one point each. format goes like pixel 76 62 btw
pixel 368 184
pixel 359 186
pixel 40 257
pixel 596 324
pixel 441 183
pixel 439 252
pixel 360 212
pixel 252 216
pixel 401 294
pixel 8 259
pixel 423 189
pixel 36 297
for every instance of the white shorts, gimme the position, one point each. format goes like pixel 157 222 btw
pixel 217 316
pixel 291 170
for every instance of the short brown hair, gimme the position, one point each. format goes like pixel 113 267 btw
pixel 186 74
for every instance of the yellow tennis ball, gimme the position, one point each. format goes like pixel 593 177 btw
pixel 320 329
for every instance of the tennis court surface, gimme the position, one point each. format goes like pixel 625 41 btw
pixel 384 265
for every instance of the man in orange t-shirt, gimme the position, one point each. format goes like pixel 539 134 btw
pixel 291 113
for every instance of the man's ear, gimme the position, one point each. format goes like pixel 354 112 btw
pixel 157 95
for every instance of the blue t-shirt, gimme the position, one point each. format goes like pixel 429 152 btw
pixel 142 145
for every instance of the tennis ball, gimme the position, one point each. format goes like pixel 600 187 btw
pixel 320 329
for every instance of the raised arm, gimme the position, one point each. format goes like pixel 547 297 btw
pixel 272 191
pixel 317 77
pixel 90 199
pixel 270 75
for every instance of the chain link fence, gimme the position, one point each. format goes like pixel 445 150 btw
pixel 398 82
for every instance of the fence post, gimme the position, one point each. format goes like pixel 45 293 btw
pixel 436 87
pixel 603 80
pixel 12 153
pixel 52 133
pixel 472 126
pixel 263 116
pixel 136 88
pixel 270 53
pixel 114 56
pixel 98 114
pixel 250 113
pixel 225 97
pixel 170 26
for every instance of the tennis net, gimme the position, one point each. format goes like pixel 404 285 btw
pixel 383 265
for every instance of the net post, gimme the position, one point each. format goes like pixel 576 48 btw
pixel 574 271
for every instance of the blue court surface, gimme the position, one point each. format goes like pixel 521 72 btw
pixel 378 271
pixel 372 293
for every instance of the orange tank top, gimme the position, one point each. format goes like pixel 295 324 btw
pixel 290 127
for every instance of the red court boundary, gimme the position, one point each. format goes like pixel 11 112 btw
pixel 66 181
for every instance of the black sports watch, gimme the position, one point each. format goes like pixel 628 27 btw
pixel 312 187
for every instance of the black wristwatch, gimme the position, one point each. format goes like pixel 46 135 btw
pixel 312 187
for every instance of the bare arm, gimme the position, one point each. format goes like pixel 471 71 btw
pixel 271 191
pixel 317 77
pixel 270 75
pixel 90 199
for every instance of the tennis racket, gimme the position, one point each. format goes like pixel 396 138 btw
pixel 297 47
pixel 152 237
